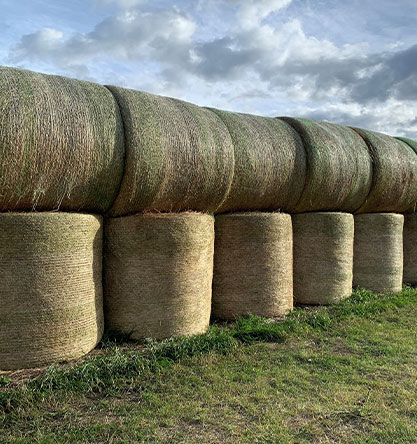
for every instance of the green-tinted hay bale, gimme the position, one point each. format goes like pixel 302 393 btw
pixel 394 183
pixel 270 163
pixel 410 249
pixel 339 166
pixel 178 156
pixel 413 145
pixel 323 257
pixel 51 292
pixel 252 265
pixel 158 274
pixel 378 252
pixel 61 143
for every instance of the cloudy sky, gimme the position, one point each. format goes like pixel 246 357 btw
pixel 347 61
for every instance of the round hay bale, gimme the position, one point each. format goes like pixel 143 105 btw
pixel 323 257
pixel 339 167
pixel 413 145
pixel 378 252
pixel 270 163
pixel 394 183
pixel 61 143
pixel 410 249
pixel 158 274
pixel 178 156
pixel 252 265
pixel 51 302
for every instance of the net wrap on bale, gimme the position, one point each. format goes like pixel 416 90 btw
pixel 51 304
pixel 252 265
pixel 158 274
pixel 410 249
pixel 323 257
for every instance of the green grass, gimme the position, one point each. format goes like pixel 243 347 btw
pixel 346 373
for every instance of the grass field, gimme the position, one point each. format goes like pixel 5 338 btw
pixel 342 374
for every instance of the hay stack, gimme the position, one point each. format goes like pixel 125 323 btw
pixel 158 274
pixel 378 252
pixel 394 184
pixel 178 156
pixel 252 265
pixel 51 293
pixel 270 163
pixel 61 143
pixel 323 257
pixel 339 167
pixel 410 249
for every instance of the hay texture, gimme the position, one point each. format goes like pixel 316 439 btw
pixel 51 304
pixel 270 163
pixel 378 252
pixel 394 184
pixel 410 249
pixel 323 257
pixel 339 167
pixel 178 156
pixel 61 143
pixel 252 265
pixel 158 274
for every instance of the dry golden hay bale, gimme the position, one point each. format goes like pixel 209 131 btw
pixel 158 274
pixel 178 156
pixel 270 163
pixel 61 143
pixel 394 183
pixel 339 166
pixel 323 257
pixel 252 265
pixel 410 249
pixel 378 252
pixel 51 302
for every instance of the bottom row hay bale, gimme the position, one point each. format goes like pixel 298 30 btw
pixel 51 288
pixel 410 249
pixel 158 274
pixel 323 257
pixel 378 252
pixel 252 265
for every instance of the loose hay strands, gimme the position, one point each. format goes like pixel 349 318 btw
pixel 410 249
pixel 158 274
pixel 339 166
pixel 61 143
pixel 394 184
pixel 323 257
pixel 178 156
pixel 378 252
pixel 252 265
pixel 270 164
pixel 51 293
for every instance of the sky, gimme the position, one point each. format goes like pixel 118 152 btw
pixel 352 62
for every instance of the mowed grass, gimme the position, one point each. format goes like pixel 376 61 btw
pixel 342 374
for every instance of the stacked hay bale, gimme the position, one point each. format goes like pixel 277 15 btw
pixel 410 249
pixel 61 143
pixel 323 257
pixel 378 252
pixel 178 156
pixel 158 274
pixel 252 265
pixel 51 293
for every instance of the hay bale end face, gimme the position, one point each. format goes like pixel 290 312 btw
pixel 410 249
pixel 270 164
pixel 61 143
pixel 378 252
pixel 323 257
pixel 252 265
pixel 51 293
pixel 158 274
pixel 178 156
pixel 339 167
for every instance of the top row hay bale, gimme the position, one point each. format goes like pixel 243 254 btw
pixel 394 183
pixel 61 143
pixel 339 167
pixel 178 156
pixel 270 163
